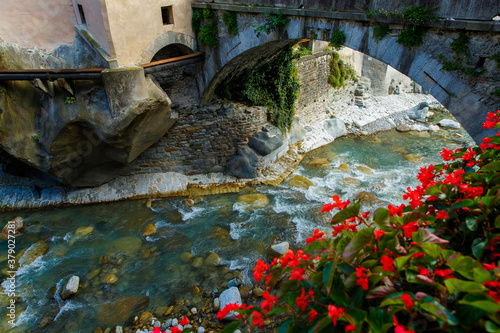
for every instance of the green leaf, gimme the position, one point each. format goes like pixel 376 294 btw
pixel 394 299
pixel 497 221
pixel 478 246
pixel 432 250
pixel 363 237
pixel 328 275
pixel 277 311
pixel 288 287
pixel 324 322
pixel 456 285
pixel 487 306
pixel 482 275
pixel 381 219
pixel 491 327
pixel 463 203
pixel 488 201
pixel 318 245
pixel 283 328
pixel 430 305
pixel 423 236
pixel 230 328
pixel 345 214
pixel 380 291
pixel 378 318
pixel 338 294
pixel 471 222
pixel 463 265
pixel 401 261
pixel 344 241
pixel 493 166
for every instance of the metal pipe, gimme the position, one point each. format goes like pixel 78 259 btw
pixel 159 68
pixel 50 77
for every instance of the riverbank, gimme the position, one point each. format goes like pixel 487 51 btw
pixel 378 114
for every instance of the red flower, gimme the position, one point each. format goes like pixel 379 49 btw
pixel 423 271
pixel 492 285
pixel 387 263
pixel 303 300
pixel 298 274
pixel 334 313
pixel 313 314
pixel 290 259
pixel 225 311
pixel 489 266
pixel 400 328
pixel 445 273
pixel 410 228
pixel 418 255
pixel 260 267
pixel 446 154
pixel 156 330
pixel 454 178
pixel 315 236
pixel 415 196
pixel 426 176
pixel 442 214
pixel 491 120
pixel 337 203
pixel 350 327
pixel 268 302
pixel 362 277
pixel 378 233
pixel 396 211
pixel 175 329
pixel 407 300
pixel 257 319
pixel 184 321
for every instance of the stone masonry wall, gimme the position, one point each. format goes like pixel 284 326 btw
pixel 202 140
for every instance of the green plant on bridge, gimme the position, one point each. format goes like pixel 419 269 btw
pixel 339 72
pixel 274 21
pixel 302 51
pixel 412 36
pixel 380 31
pixel 419 15
pixel 231 22
pixel 205 24
pixel 337 39
pixel 274 84
pixel 461 60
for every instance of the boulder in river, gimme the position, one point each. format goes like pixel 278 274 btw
pixel 301 182
pixel 266 141
pixel 415 158
pixel 350 182
pixel 33 252
pixel 279 248
pixel 228 296
pixel 70 288
pixel 149 231
pixel 244 163
pixel 364 170
pixel 81 233
pixel 320 162
pixel 212 260
pixel 253 200
pixel 449 123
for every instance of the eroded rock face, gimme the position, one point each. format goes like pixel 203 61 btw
pixel 80 132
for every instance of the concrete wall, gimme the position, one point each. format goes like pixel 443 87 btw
pixel 135 25
pixel 45 24
pixel 478 10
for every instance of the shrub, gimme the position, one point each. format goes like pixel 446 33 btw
pixel 302 51
pixel 231 22
pixel 205 24
pixel 412 36
pixel 338 39
pixel 431 265
pixel 273 22
pixel 339 72
pixel 380 31
pixel 418 14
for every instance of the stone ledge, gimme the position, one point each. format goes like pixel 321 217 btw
pixel 468 25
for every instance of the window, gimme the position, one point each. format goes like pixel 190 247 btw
pixel 167 15
pixel 82 14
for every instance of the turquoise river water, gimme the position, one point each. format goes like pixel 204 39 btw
pixel 149 270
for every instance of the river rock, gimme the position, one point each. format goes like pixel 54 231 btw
pixel 150 230
pixel 16 225
pixel 231 295
pixel 419 127
pixel 212 260
pixel 70 288
pixel 266 141
pixel 343 167
pixel 320 162
pixel 119 310
pixel 364 170
pixel 350 182
pixel 399 150
pixel 253 200
pixel 197 262
pixel 415 158
pixel 36 250
pixel 280 248
pixel 146 318
pixel 301 182
pixel 109 279
pixel 258 291
pixel 377 187
pixel 244 293
pixel 403 128
pixel 449 123
pixel 188 202
pixel 417 113
pixel 186 257
pixel 434 128
pixel 335 127
pixel 216 304
pixel 244 163
pixel 127 245
pixel 367 198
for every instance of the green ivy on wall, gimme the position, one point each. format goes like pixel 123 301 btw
pixel 204 23
pixel 274 21
pixel 461 60
pixel 231 22
pixel 338 39
pixel 339 72
pixel 275 85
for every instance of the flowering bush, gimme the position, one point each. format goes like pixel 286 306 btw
pixel 430 265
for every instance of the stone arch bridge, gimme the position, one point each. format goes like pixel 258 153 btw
pixel 469 98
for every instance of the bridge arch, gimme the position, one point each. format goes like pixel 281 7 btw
pixel 166 39
pixel 460 94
